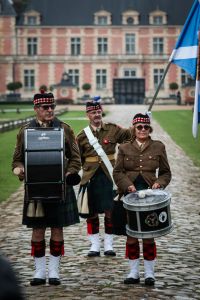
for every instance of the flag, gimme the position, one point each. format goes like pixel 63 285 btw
pixel 186 55
pixel 196 113
pixel 186 50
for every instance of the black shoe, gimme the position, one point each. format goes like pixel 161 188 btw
pixel 93 253
pixel 149 281
pixel 37 281
pixel 54 281
pixel 110 253
pixel 131 280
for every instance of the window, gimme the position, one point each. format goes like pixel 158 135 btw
pixel 102 17
pixel 130 21
pixel 102 20
pixel 32 46
pixel 29 79
pixel 157 20
pixel 158 17
pixel 130 43
pixel 129 73
pixel 157 75
pixel 74 76
pixel 102 46
pixel 75 46
pixel 186 79
pixel 31 20
pixel 130 17
pixel 158 45
pixel 101 79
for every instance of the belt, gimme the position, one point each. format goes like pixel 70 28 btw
pixel 98 158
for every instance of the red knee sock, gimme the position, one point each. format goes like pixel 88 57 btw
pixel 93 225
pixel 38 248
pixel 149 251
pixel 56 248
pixel 132 250
pixel 108 225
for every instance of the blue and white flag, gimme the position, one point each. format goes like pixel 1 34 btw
pixel 186 50
pixel 185 55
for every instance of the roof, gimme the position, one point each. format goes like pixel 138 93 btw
pixel 6 8
pixel 79 12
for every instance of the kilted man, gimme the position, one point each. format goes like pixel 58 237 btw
pixel 57 215
pixel 97 144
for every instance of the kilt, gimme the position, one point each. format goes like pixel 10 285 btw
pixel 100 193
pixel 59 214
pixel 119 216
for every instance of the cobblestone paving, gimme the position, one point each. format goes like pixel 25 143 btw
pixel 177 269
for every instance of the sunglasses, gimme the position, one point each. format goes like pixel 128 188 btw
pixel 47 106
pixel 145 127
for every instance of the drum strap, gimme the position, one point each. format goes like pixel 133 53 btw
pixel 98 148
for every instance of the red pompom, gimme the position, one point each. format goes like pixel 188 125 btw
pixel 42 91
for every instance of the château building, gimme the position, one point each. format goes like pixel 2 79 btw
pixel 92 41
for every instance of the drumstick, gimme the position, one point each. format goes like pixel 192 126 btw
pixel 17 171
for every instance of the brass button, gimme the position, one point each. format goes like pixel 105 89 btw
pixel 127 159
pixel 140 166
pixel 140 159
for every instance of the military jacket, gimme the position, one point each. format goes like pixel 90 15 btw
pixel 151 163
pixel 72 155
pixel 109 136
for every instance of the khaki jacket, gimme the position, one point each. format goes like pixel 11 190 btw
pixel 72 155
pixel 150 162
pixel 109 136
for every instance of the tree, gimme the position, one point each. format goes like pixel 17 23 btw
pixel 86 86
pixel 173 86
pixel 43 87
pixel 13 86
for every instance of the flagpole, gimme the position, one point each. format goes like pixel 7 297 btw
pixel 159 86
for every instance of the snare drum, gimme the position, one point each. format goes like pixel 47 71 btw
pixel 44 164
pixel 148 217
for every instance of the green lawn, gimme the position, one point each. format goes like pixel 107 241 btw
pixel 178 124
pixel 8 182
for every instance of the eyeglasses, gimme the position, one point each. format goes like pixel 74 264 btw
pixel 145 127
pixel 47 106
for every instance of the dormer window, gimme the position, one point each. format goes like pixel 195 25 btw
pixel 102 18
pixel 32 18
pixel 130 17
pixel 158 17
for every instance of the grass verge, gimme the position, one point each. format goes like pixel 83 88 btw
pixel 178 124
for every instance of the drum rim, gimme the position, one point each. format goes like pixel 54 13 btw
pixel 150 234
pixel 147 206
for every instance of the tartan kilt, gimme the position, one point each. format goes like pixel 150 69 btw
pixel 59 214
pixel 100 193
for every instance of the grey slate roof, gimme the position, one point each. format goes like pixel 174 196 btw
pixel 6 8
pixel 81 12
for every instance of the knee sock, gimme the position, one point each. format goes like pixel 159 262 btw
pixel 93 225
pixel 132 250
pixel 56 248
pixel 38 248
pixel 108 225
pixel 149 250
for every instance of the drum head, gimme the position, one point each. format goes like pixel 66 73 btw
pixel 146 200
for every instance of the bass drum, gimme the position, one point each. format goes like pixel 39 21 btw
pixel 44 164
pixel 148 213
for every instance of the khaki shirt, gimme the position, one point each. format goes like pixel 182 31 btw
pixel 72 155
pixel 133 161
pixel 109 136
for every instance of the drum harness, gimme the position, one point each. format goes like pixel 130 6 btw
pixel 98 148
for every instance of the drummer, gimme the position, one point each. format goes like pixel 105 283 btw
pixel 136 169
pixel 53 215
